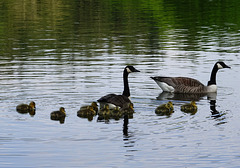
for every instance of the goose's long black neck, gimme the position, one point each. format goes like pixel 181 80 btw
pixel 213 76
pixel 126 91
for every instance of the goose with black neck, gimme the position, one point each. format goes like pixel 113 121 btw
pixel 189 85
pixel 123 100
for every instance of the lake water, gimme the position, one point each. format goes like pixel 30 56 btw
pixel 69 54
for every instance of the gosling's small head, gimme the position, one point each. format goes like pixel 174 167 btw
pixel 32 104
pixel 62 110
pixel 94 104
pixel 131 106
pixel 193 103
pixel 90 108
pixel 106 106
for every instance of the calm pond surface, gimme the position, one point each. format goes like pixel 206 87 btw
pixel 70 53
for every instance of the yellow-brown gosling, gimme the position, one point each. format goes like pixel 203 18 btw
pixel 24 108
pixel 189 107
pixel 116 113
pixel 58 115
pixel 86 111
pixel 165 109
pixel 129 110
pixel 105 111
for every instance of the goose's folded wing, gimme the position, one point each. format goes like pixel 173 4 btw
pixel 182 84
pixel 118 100
pixel 106 98
pixel 175 81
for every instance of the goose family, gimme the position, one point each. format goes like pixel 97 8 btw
pixel 123 100
pixel 120 105
pixel 189 85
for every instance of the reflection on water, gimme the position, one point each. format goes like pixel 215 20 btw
pixel 125 125
pixel 61 119
pixel 220 117
pixel 179 96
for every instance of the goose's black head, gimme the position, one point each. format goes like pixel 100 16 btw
pixel 130 69
pixel 221 65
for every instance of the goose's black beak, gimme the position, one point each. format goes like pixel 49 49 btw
pixel 135 70
pixel 227 66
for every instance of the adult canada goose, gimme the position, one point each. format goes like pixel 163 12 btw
pixel 123 100
pixel 189 85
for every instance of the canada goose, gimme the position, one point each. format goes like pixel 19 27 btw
pixel 57 115
pixel 189 85
pixel 24 108
pixel 189 107
pixel 119 100
pixel 164 109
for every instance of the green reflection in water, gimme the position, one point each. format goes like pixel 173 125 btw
pixel 92 28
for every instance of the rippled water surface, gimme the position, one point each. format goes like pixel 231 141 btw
pixel 68 54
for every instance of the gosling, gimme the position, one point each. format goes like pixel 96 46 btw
pixel 86 111
pixel 165 109
pixel 24 108
pixel 58 115
pixel 189 107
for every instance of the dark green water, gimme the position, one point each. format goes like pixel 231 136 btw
pixel 70 53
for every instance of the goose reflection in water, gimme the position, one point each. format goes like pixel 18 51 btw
pixel 125 125
pixel 213 97
pixel 128 137
pixel 216 114
pixel 181 96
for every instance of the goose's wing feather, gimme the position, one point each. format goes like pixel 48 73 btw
pixel 106 98
pixel 118 100
pixel 182 84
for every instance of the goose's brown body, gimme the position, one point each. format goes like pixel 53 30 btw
pixel 189 85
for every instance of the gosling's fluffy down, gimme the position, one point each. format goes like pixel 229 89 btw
pixel 165 109
pixel 86 111
pixel 25 108
pixel 189 107
pixel 57 115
